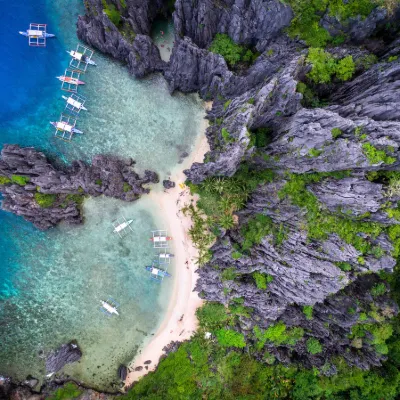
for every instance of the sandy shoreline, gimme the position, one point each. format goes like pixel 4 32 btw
pixel 184 301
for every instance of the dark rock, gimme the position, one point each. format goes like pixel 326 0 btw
pixel 147 362
pixel 168 184
pixel 138 368
pixel 78 180
pixel 122 372
pixel 66 354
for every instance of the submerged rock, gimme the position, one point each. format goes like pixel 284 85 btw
pixel 122 372
pixel 66 354
pixel 168 184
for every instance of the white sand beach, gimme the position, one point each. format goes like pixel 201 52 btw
pixel 184 301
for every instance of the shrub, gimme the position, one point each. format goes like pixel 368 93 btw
pixel 378 290
pixel 76 198
pixel 262 280
pixel 261 137
pixel 278 334
pixel 20 180
pixel 228 274
pixel 98 182
pixel 232 52
pixel 127 187
pixel 69 391
pixel 212 315
pixel 314 346
pixel 45 200
pixel 226 135
pixel 4 180
pixel 323 65
pixel 236 255
pixel 336 132
pixel 112 13
pixel 376 156
pixel 255 229
pixel 392 58
pixel 230 338
pixel 345 68
pixel 226 104
pixel 314 152
pixel 308 311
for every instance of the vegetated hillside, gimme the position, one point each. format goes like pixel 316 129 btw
pixel 299 195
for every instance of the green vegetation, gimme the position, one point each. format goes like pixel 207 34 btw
pixel 76 198
pixel 45 200
pixel 227 136
pixel 226 104
pixel 310 99
pixel 260 137
pixel 230 338
pixel 336 132
pixel 228 274
pixel 236 255
pixel 314 346
pixel 262 280
pixel 307 16
pixel 325 66
pixel 392 58
pixel 308 312
pixel 232 52
pixel 20 179
pixel 112 13
pixel 278 334
pixel 69 391
pixel 4 180
pixel 376 156
pixel 98 182
pixel 127 187
pixel 378 290
pixel 314 152
pixel 212 315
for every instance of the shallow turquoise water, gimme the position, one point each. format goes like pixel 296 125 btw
pixel 51 282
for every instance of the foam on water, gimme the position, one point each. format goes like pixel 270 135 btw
pixel 51 282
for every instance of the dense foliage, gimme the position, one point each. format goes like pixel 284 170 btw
pixel 325 66
pixel 45 200
pixel 233 53
pixel 306 23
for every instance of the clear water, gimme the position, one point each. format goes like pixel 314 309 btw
pixel 51 282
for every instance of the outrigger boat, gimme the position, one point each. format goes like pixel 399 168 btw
pixel 160 239
pixel 165 255
pixel 109 308
pixel 37 35
pixel 70 80
pixel 64 126
pixel 75 104
pixel 157 239
pixel 81 57
pixel 156 273
pixel 122 226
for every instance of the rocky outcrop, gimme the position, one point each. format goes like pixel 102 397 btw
pixel 253 23
pixel 27 175
pixel 130 42
pixel 66 354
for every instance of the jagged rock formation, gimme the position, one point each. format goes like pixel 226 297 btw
pixel 106 175
pixel 363 115
pixel 66 354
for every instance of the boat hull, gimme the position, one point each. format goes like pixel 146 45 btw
pixel 160 272
pixel 46 35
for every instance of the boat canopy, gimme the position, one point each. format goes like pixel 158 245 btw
pixel 32 32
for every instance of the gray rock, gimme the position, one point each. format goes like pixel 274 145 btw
pixel 66 354
pixel 168 184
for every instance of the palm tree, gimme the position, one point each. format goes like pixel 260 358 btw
pixel 227 221
pixel 208 185
pixel 219 185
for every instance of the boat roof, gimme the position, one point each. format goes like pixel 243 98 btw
pixel 154 271
pixel 33 32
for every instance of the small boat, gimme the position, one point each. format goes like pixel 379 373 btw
pixel 63 126
pixel 81 57
pixel 160 238
pixel 165 255
pixel 122 226
pixel 70 80
pixel 109 308
pixel 158 272
pixel 33 33
pixel 74 103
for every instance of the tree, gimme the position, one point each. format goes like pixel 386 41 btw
pixel 314 346
pixel 323 65
pixel 230 338
pixel 345 68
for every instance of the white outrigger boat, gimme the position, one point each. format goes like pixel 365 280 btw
pixel 75 103
pixel 37 34
pixel 81 57
pixel 64 126
pixel 109 307
pixel 160 239
pixel 70 80
pixel 122 226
